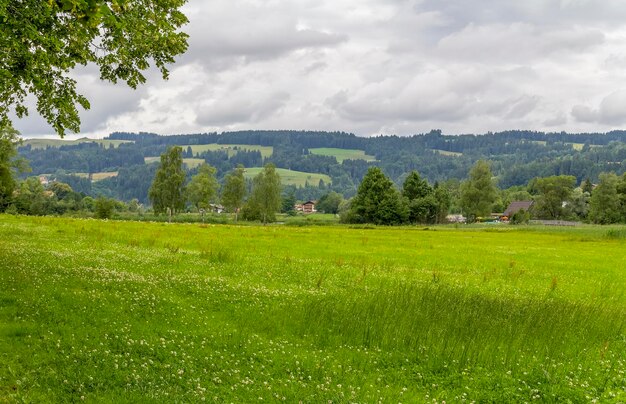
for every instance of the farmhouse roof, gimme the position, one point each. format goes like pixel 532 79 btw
pixel 516 206
pixel 309 203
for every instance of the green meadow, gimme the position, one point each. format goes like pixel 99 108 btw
pixel 43 143
pixel 343 154
pixel 112 311
pixel 231 149
pixel 291 177
pixel 189 162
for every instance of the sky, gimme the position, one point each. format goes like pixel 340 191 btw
pixel 373 67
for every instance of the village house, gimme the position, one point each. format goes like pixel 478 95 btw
pixel 308 207
pixel 515 207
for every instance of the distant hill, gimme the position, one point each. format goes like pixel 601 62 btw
pixel 343 158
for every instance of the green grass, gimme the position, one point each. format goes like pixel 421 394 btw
pixel 448 153
pixel 151 312
pixel 290 177
pixel 343 154
pixel 579 146
pixel 190 162
pixel 98 176
pixel 231 149
pixel 43 143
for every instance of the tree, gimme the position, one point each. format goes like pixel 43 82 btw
pixel 234 190
pixel 104 207
pixel 41 42
pixel 265 199
pixel 554 194
pixel 478 192
pixel 8 165
pixel 605 202
pixel 288 203
pixel 202 188
pixel 415 187
pixel 329 203
pixel 167 189
pixel 377 201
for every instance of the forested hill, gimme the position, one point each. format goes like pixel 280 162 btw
pixel 122 165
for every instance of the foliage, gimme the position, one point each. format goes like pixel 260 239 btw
pixel 288 203
pixel 377 201
pixel 520 217
pixel 605 201
pixel 264 199
pixel 415 187
pixel 167 189
pixel 234 191
pixel 329 203
pixel 202 189
pixel 104 208
pixel 478 192
pixel 554 194
pixel 9 164
pixel 43 41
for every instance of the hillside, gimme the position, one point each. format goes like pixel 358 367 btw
pixel 516 156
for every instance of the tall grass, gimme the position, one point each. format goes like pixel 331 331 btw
pixel 152 312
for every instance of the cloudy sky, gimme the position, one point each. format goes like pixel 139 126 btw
pixel 379 67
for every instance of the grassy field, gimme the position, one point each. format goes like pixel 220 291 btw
pixel 290 177
pixel 43 143
pixel 266 151
pixel 448 153
pixel 190 162
pixel 149 312
pixel 99 176
pixel 343 154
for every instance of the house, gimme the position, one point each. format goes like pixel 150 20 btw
pixel 516 206
pixel 216 208
pixel 308 207
pixel 456 219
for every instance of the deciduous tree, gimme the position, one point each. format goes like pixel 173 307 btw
pixel 203 186
pixel 377 201
pixel 9 164
pixel 234 191
pixel 605 202
pixel 554 194
pixel 478 192
pixel 265 199
pixel 41 42
pixel 167 189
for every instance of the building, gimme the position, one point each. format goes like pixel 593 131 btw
pixel 516 206
pixel 308 207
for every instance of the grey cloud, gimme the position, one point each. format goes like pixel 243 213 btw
pixel 611 111
pixel 516 43
pixel 521 107
pixel 239 109
pixel 541 12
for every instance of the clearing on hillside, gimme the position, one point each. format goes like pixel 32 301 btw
pixel 291 177
pixel 231 149
pixel 44 143
pixel 342 154
pixel 190 163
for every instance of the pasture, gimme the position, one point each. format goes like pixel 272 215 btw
pixel 231 149
pixel 343 154
pixel 189 162
pixel 291 177
pixel 150 312
pixel 55 142
pixel 447 153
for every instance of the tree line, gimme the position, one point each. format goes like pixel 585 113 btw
pixel 377 199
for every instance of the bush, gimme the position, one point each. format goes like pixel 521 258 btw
pixel 104 207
